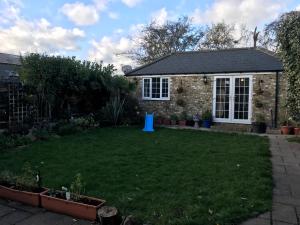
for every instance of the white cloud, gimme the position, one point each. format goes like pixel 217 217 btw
pixel 298 8
pixel 160 16
pixel 250 12
pixel 11 8
pixel 112 51
pixel 80 14
pixel 101 5
pixel 131 3
pixel 113 15
pixel 38 36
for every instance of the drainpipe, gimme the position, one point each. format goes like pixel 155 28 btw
pixel 276 99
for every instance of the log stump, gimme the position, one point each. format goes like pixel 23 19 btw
pixel 109 215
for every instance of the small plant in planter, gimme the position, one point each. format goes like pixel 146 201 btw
pixel 174 119
pixel 285 123
pixel 25 188
pixel 297 128
pixel 190 121
pixel 259 126
pixel 72 202
pixel 207 118
pixel 182 119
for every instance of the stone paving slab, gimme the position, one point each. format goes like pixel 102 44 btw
pixel 14 213
pixel 286 177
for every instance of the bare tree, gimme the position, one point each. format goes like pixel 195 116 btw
pixel 219 36
pixel 159 40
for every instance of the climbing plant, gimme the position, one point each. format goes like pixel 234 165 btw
pixel 287 29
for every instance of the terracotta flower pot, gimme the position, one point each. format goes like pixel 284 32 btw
pixel 285 130
pixel 182 123
pixel 30 198
pixel 297 130
pixel 167 122
pixel 71 208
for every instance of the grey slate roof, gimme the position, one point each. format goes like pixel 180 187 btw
pixel 9 59
pixel 212 61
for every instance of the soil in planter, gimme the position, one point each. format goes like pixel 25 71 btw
pixel 83 200
pixel 34 190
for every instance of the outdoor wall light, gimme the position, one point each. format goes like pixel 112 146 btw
pixel 205 80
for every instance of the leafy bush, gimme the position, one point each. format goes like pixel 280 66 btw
pixel 27 179
pixel 207 115
pixel 10 141
pixel 132 111
pixel 68 129
pixel 7 178
pixel 113 110
pixel 85 122
pixel 41 134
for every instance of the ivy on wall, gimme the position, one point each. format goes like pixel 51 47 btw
pixel 288 35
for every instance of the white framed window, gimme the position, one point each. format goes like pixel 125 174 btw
pixel 156 88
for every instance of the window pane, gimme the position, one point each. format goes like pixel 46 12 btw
pixel 165 88
pixel 222 97
pixel 155 87
pixel 146 88
pixel 241 107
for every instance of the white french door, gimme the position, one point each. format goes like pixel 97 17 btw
pixel 232 99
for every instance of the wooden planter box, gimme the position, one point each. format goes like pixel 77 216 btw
pixel 30 198
pixel 71 208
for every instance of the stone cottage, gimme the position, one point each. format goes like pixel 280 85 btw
pixel 236 85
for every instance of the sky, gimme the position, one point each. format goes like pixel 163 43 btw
pixel 101 30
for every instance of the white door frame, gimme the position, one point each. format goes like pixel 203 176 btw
pixel 231 100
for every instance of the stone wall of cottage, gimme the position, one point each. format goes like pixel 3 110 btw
pixel 198 96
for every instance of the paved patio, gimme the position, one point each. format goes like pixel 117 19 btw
pixel 12 213
pixel 286 176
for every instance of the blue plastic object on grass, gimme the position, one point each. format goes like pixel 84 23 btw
pixel 148 123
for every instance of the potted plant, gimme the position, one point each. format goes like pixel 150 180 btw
pixel 259 126
pixel 286 127
pixel 25 188
pixel 297 128
pixel 207 119
pixel 166 121
pixel 159 121
pixel 196 119
pixel 182 119
pixel 190 121
pixel 174 119
pixel 72 202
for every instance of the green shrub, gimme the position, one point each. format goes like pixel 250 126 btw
pixel 7 178
pixel 207 115
pixel 10 141
pixel 85 122
pixel 41 134
pixel 68 129
pixel 27 180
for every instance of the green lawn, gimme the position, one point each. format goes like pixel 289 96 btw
pixel 166 177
